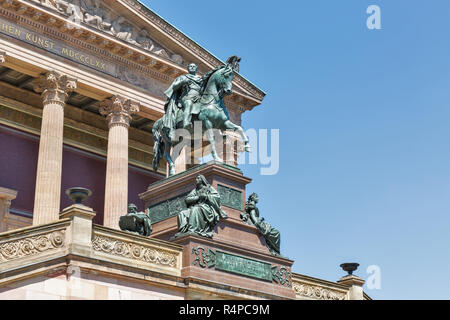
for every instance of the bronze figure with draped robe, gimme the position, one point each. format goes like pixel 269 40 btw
pixel 203 211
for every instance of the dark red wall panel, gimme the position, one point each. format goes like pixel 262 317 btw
pixel 138 182
pixel 83 169
pixel 18 165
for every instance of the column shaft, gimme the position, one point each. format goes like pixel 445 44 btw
pixel 49 170
pixel 116 191
pixel 118 111
pixel 55 88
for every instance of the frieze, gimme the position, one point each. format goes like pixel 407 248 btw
pixel 316 292
pixel 123 30
pixel 30 246
pixel 223 261
pixel 43 42
pixel 33 34
pixel 25 119
pixel 230 197
pixel 167 209
pixel 95 14
pixel 134 251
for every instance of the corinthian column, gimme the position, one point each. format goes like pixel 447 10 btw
pixel 118 111
pixel 55 88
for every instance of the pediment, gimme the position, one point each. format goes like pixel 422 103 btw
pixel 98 14
pixel 133 23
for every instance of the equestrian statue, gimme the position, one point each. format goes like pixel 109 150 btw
pixel 192 98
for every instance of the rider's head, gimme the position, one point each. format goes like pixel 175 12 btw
pixel 192 68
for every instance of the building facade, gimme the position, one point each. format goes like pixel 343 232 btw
pixel 81 85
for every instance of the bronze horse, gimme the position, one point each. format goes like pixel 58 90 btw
pixel 212 114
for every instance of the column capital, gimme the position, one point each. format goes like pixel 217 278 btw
pixel 55 87
pixel 118 110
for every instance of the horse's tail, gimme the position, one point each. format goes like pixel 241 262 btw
pixel 158 145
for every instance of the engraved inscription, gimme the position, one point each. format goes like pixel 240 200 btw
pixel 243 266
pixel 45 43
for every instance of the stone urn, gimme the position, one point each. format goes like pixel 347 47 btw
pixel 350 267
pixel 78 194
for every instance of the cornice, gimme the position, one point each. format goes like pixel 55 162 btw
pixel 50 22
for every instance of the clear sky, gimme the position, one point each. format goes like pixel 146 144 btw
pixel 364 130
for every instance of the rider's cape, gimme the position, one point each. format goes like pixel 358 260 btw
pixel 171 106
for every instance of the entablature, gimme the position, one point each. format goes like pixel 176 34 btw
pixel 106 51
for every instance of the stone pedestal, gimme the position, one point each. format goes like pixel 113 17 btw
pixel 215 263
pixel 80 231
pixel 355 285
pixel 237 255
pixel 165 198
pixel 232 145
pixel 181 161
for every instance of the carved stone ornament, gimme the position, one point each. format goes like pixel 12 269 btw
pixel 55 87
pixel 133 251
pixel 118 110
pixel 316 292
pixel 282 276
pixel 31 246
pixel 97 15
pixel 204 258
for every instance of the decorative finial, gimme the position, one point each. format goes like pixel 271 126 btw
pixel 350 267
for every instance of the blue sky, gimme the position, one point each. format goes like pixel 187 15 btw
pixel 364 130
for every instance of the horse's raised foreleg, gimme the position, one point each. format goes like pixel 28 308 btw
pixel 231 126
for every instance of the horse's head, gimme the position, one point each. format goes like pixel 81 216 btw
pixel 221 81
pixel 227 80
